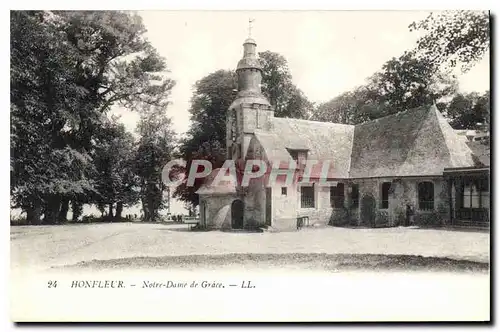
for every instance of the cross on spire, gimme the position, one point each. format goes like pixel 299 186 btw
pixel 250 21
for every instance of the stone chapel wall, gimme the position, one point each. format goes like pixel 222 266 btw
pixel 405 191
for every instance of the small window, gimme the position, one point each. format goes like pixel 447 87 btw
pixel 283 191
pixel 337 196
pixel 426 196
pixel 307 197
pixel 384 203
pixel 355 196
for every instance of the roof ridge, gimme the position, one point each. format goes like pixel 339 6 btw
pixel 325 123
pixel 428 108
pixel 446 133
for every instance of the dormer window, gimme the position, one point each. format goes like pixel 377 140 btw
pixel 299 155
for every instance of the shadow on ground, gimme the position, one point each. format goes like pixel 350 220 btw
pixel 323 262
pixel 444 228
pixel 457 229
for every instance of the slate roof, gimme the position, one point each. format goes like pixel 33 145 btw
pixel 481 153
pixel 226 184
pixel 412 143
pixel 323 140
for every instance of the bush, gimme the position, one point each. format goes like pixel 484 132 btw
pixel 18 221
pixel 429 219
pixel 90 218
pixel 399 216
pixel 381 218
pixel 339 217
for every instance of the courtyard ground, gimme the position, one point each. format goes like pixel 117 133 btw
pixel 327 274
pixel 130 245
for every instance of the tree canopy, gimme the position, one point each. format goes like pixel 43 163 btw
pixel 155 148
pixel 452 38
pixel 68 69
pixel 422 75
pixel 469 111
pixel 402 84
pixel 287 100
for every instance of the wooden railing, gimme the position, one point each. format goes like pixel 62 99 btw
pixel 426 205
pixel 473 214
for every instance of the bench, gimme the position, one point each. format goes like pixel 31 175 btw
pixel 191 222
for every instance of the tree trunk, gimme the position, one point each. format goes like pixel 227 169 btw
pixel 119 210
pixel 52 208
pixel 76 208
pixel 150 210
pixel 34 214
pixel 63 213
pixel 145 211
pixel 110 213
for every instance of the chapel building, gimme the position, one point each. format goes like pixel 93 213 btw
pixel 409 167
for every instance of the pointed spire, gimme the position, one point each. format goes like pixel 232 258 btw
pixel 250 26
pixel 249 60
pixel 249 71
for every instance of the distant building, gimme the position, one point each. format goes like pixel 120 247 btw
pixel 473 135
pixel 384 172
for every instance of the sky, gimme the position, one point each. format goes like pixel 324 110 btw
pixel 328 52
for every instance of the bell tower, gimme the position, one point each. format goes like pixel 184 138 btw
pixel 250 111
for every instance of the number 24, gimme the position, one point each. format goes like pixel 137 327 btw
pixel 52 284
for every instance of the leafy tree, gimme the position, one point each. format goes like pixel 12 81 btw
pixel 288 101
pixel 469 111
pixel 298 107
pixel 407 83
pixel 155 149
pixel 44 166
pixel 114 157
pixel 67 70
pixel 341 109
pixel 402 84
pixel 453 37
pixel 206 136
pixel 210 150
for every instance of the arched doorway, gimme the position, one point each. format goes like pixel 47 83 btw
pixel 368 206
pixel 237 214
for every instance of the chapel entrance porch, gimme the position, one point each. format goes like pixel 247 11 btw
pixel 470 196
